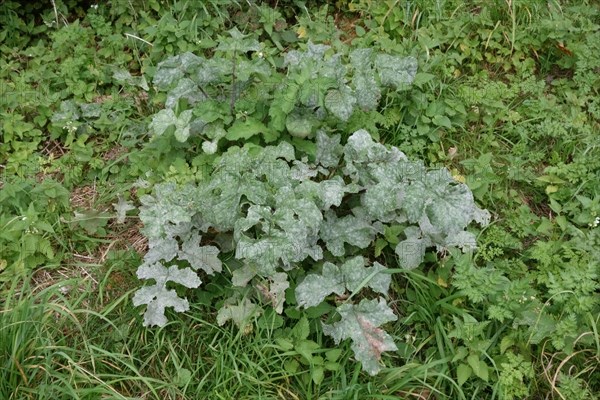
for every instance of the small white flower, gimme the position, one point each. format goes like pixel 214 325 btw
pixel 94 6
pixel 596 222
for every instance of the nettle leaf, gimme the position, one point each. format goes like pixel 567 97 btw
pixel 200 257
pixel 360 323
pixel 157 297
pixel 396 71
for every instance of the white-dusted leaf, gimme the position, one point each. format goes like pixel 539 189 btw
pixel 182 126
pixel 396 71
pixel 121 207
pixel 355 273
pixel 238 313
pixel 274 290
pixel 366 90
pixel 243 275
pixel 340 102
pixel 466 241
pixel 361 323
pixel 316 287
pixel 161 249
pixel 186 89
pixel 411 251
pixel 349 229
pixel 209 147
pixel 332 192
pixel 157 297
pixel 200 257
pixel 329 149
pixel 169 205
pixel 162 120
pixel 174 68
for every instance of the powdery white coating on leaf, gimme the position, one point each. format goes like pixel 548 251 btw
pixel 161 249
pixel 187 89
pixel 200 257
pixel 162 120
pixel 355 273
pixel 350 276
pixel 360 323
pixel 168 205
pixel 366 89
pixel 121 207
pixel 329 149
pixel 315 287
pixel 332 192
pixel 238 313
pixel 241 276
pixel 274 292
pixel 411 251
pixel 209 147
pixel 340 102
pixel 182 126
pixel 173 69
pixel 157 297
pixel 396 71
pixel 349 229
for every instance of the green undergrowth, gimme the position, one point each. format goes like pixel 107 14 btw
pixel 102 106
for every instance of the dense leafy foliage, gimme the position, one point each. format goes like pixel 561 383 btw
pixel 282 213
pixel 106 106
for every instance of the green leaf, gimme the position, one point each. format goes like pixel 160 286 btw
pixel 463 372
pixel 360 323
pixel 246 129
pixel 478 366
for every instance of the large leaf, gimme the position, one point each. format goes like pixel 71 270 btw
pixel 314 288
pixel 349 229
pixel 351 275
pixel 361 323
pixel 200 257
pixel 396 71
pixel 340 102
pixel 157 297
